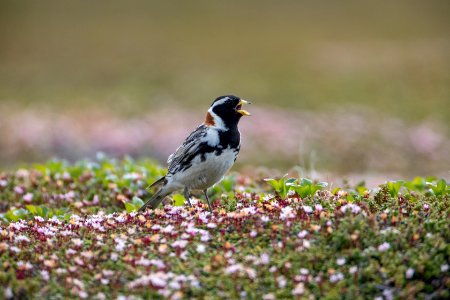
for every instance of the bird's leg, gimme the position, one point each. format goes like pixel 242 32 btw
pixel 187 195
pixel 207 199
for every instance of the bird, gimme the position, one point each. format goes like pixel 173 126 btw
pixel 206 154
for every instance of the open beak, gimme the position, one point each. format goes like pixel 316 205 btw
pixel 242 111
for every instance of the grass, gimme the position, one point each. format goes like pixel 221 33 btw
pixel 70 230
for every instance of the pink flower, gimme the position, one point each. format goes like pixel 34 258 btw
pixel 28 197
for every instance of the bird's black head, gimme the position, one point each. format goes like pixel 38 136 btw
pixel 226 111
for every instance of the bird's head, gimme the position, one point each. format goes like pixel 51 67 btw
pixel 226 111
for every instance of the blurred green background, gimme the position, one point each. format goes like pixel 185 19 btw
pixel 135 57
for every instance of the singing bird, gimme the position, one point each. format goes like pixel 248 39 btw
pixel 207 153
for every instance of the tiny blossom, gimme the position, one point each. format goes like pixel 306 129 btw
pixel 253 233
pixel 101 296
pixel 272 269
pixel 302 234
pixel 39 219
pixel 304 271
pixel 28 197
pixel 3 183
pixel 19 190
pixel 265 259
pixel 426 206
pixel 265 219
pixel 8 294
pixel 307 209
pixel 384 247
pixel 114 256
pixel 45 275
pixel 387 293
pixel 77 242
pixel 286 213
pixel 444 268
pixel 120 244
pixel 299 289
pixel 21 238
pixel 269 296
pixel 267 197
pixel 14 249
pixel 211 225
pixel 409 273
pixel 353 207
pixel 179 244
pixel 251 210
pixel 234 269
pixel 168 229
pixel 281 280
pixel 340 261
pixel 318 207
pixel 353 269
pixel 336 277
pixel 201 248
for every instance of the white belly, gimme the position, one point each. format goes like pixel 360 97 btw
pixel 204 174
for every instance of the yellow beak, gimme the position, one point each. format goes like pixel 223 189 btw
pixel 243 111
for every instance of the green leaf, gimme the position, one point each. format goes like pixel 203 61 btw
pixel 32 209
pixel 178 200
pixel 305 181
pixel 130 207
pixel 137 201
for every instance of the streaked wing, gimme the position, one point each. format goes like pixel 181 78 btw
pixel 187 151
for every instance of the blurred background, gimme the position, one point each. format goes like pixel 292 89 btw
pixel 353 87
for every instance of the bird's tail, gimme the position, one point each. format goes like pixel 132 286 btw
pixel 157 198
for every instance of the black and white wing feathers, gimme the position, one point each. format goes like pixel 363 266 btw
pixel 183 156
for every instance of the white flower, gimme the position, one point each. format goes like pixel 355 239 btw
pixel 39 219
pixel 265 219
pixel 302 234
pixel 307 209
pixel 201 248
pixel 409 273
pixel 384 247
pixel 265 259
pixel 304 271
pixel 253 233
pixel 7 293
pixel 114 256
pixel 353 269
pixel 444 268
pixel 168 229
pixel 281 280
pixel 353 207
pixel 299 289
pixel 211 225
pixel 179 244
pixel 120 244
pixel 21 238
pixel 234 268
pixel 318 207
pixel 340 261
pixel 45 275
pixel 269 296
pixel 268 197
pixel 336 277
pixel 286 213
